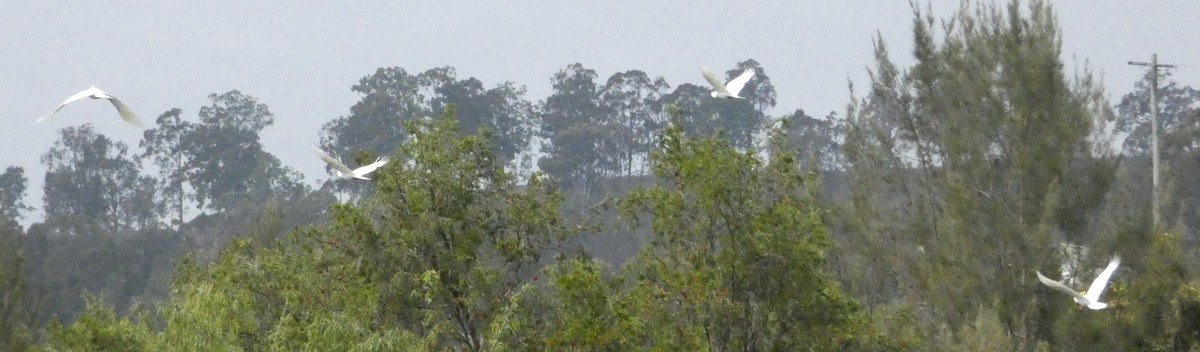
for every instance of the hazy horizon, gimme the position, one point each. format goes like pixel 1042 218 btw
pixel 301 58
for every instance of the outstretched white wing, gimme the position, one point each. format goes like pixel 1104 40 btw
pixel 363 171
pixel 81 95
pixel 1098 285
pixel 735 86
pixel 716 82
pixel 93 92
pixel 333 162
pixel 126 113
pixel 1059 286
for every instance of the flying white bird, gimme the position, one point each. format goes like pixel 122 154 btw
pixel 95 93
pixel 726 90
pixel 1091 297
pixel 345 172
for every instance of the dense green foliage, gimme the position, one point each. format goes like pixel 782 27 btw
pixel 90 178
pixel 448 252
pixel 735 259
pixel 661 219
pixel 16 305
pixel 985 163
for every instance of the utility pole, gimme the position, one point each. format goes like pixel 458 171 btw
pixel 1154 66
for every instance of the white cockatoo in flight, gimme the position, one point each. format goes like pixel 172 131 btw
pixel 344 172
pixel 727 90
pixel 1091 297
pixel 95 93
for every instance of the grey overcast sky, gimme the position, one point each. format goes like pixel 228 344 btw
pixel 301 57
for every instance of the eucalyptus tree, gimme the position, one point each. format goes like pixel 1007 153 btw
pixel 392 96
pixel 572 128
pixel 633 101
pixel 1177 104
pixel 16 321
pixel 16 303
pixel 90 176
pixel 742 121
pixel 818 140
pixel 12 193
pixel 502 109
pixel 163 145
pixel 227 165
pixel 1179 145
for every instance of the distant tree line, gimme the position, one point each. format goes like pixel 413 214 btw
pixel 657 218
